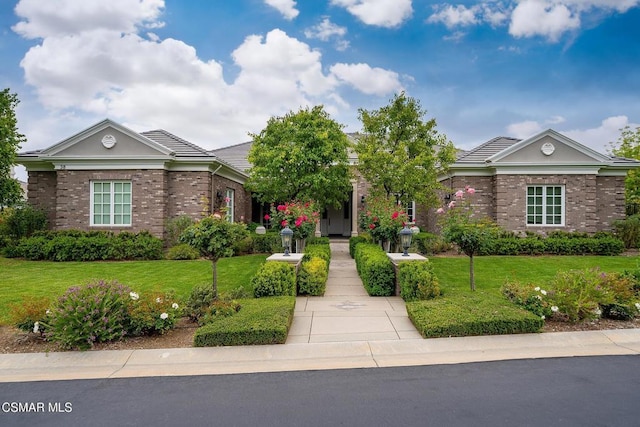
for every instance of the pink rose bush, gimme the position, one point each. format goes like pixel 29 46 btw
pixel 301 217
pixel 383 219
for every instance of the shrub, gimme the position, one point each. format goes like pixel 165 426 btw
pixel 274 279
pixel 312 277
pixel 219 309
pixel 356 240
pixel 84 315
pixel 318 251
pixel 429 244
pixel 628 230
pixel 528 296
pixel 198 302
pixel 473 314
pixel 174 228
pixel 375 269
pixel 317 241
pixel 266 243
pixel 259 322
pixel 31 315
pixel 417 281
pixel 558 243
pixel 234 294
pixel 22 221
pixel 153 313
pixel 182 252
pixel 243 246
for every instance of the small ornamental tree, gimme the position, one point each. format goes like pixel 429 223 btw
pixel 214 237
pixel 628 145
pixel 460 227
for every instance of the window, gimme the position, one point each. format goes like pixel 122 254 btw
pixel 230 198
pixel 545 205
pixel 111 203
pixel 411 211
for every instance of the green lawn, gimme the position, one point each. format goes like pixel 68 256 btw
pixel 21 279
pixel 492 271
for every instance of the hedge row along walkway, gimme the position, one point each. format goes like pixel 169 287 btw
pixel 346 312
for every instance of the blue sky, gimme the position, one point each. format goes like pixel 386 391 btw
pixel 212 71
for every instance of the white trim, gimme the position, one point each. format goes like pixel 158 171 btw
pixel 112 165
pixel 231 211
pixel 111 183
pixel 520 169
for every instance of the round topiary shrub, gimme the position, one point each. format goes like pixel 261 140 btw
pixel 182 252
pixel 274 279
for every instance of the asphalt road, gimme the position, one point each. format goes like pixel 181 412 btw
pixel 583 391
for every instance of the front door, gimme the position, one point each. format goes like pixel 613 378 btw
pixel 335 221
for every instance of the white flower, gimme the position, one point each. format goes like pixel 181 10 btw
pixel 49 311
pixel 175 306
pixel 134 296
pixel 597 311
pixel 543 292
pixel 539 297
pixel 543 317
pixel 537 288
pixel 164 316
pixel 638 306
pixel 554 308
pixel 36 327
pixel 158 300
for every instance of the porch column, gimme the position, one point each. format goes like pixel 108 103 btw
pixel 354 208
pixel 318 233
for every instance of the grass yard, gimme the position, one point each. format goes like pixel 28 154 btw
pixel 20 279
pixel 491 272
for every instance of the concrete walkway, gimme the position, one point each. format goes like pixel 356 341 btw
pixel 345 329
pixel 347 313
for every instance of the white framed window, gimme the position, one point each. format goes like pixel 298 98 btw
pixel 411 211
pixel 545 205
pixel 230 196
pixel 110 203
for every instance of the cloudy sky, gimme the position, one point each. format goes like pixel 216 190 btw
pixel 212 71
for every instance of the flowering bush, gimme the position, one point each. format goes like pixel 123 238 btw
pixel 579 295
pixel 31 315
pixel 153 313
pixel 383 219
pixel 84 315
pixel 301 217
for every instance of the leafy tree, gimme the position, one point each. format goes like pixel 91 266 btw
pixel 400 154
pixel 10 140
pixel 628 145
pixel 301 156
pixel 459 226
pixel 214 237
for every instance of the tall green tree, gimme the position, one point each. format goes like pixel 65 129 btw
pixel 400 153
pixel 301 156
pixel 628 145
pixel 10 140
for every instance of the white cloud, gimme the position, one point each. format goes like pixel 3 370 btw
pixel 371 81
pixel 286 7
pixel 327 30
pixel 542 18
pixel 381 13
pixel 524 129
pixel 101 71
pixel 455 16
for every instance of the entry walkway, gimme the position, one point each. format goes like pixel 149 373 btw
pixel 346 312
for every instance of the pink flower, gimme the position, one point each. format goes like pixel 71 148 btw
pixel 284 223
pixel 440 211
pixel 227 199
pixel 372 226
pixel 281 208
pixel 452 204
pixel 459 194
pixel 267 217
pixel 471 190
pixel 298 222
pixel 394 215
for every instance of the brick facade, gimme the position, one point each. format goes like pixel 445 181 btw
pixel 41 193
pixel 610 201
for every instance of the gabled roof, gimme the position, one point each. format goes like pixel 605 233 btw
pixel 179 146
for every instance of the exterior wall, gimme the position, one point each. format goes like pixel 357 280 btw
pixel 42 193
pixel 148 204
pixel 187 192
pixel 580 202
pixel 610 201
pixel 242 202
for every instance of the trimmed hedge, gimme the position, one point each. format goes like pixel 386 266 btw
pixel 417 281
pixel 429 244
pixel 274 279
pixel 312 277
pixel 565 245
pixel 262 321
pixel 266 243
pixel 311 241
pixel 470 315
pixel 355 241
pixel 75 245
pixel 375 269
pixel 317 251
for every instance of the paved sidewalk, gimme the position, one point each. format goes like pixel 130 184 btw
pixel 347 313
pixel 345 329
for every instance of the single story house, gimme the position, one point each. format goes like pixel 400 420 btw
pixel 110 177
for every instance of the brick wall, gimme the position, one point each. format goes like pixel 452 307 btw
pixel 610 201
pixel 242 202
pixel 41 193
pixel 189 193
pixel 148 204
